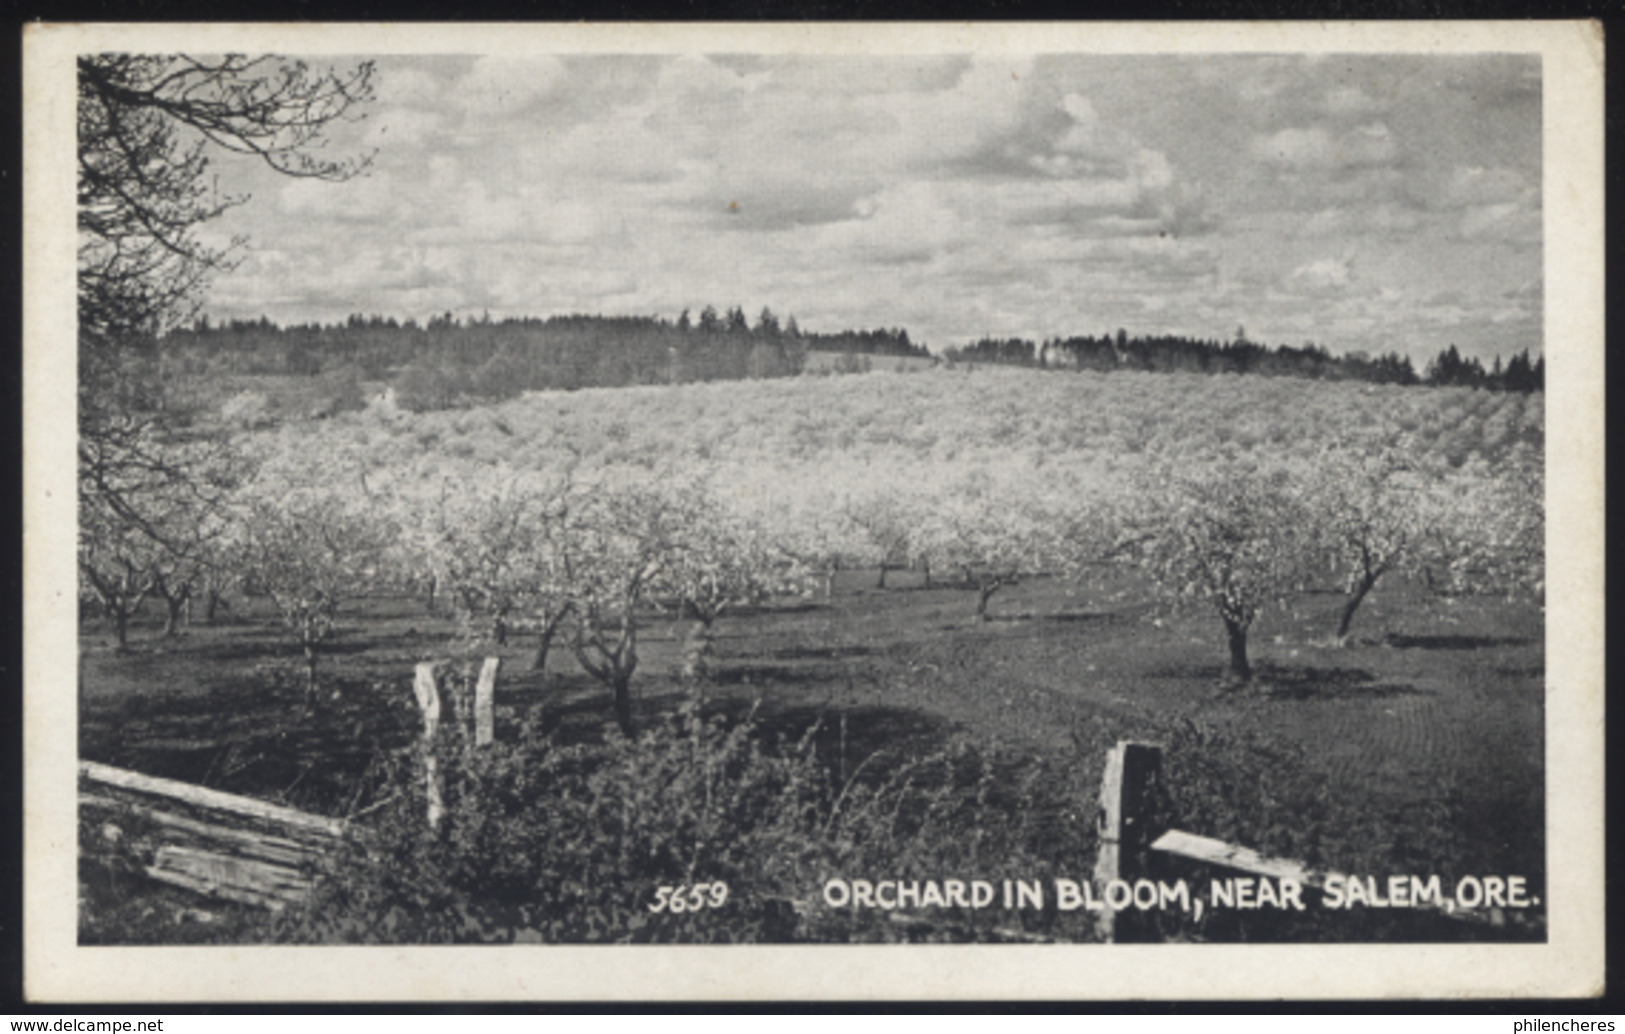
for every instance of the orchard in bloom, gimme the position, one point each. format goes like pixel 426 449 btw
pixel 1372 511
pixel 714 558
pixel 1486 532
pixel 311 553
pixel 151 522
pixel 1239 539
pixel 497 547
pixel 994 534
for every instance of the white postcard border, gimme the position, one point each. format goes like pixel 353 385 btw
pixel 1570 964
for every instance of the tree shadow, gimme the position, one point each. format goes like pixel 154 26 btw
pixel 1089 617
pixel 270 644
pixel 1064 617
pixel 1279 682
pixel 796 674
pixel 1309 683
pixel 1527 671
pixel 820 653
pixel 1192 672
pixel 1453 642
pixel 773 608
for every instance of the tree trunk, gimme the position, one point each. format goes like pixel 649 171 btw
pixel 434 583
pixel 499 630
pixel 1353 604
pixel 696 650
pixel 925 568
pixel 544 642
pixel 215 601
pixel 1240 670
pixel 613 666
pixel 985 593
pixel 622 690
pixel 174 606
pixel 310 674
pixel 881 584
pixel 121 626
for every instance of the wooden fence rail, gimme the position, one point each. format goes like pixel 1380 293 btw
pixel 1128 840
pixel 215 843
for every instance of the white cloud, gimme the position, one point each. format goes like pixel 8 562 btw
pixel 412 87
pixel 1323 276
pixel 403 127
pixel 1352 101
pixel 502 86
pixel 1511 221
pixel 1382 218
pixel 1475 185
pixel 1318 148
pixel 363 199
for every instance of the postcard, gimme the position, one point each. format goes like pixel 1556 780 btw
pixel 817 512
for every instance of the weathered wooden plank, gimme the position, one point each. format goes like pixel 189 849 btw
pixel 423 686
pixel 485 702
pixel 225 876
pixel 1216 852
pixel 428 696
pixel 207 889
pixel 1108 827
pixel 1131 769
pixel 214 800
pixel 263 845
pixel 228 870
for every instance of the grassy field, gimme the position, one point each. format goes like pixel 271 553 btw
pixel 1417 748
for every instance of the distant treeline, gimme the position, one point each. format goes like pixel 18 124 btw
pixel 449 361
pixel 436 365
pixel 1171 354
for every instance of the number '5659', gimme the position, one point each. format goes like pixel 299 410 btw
pixel 689 899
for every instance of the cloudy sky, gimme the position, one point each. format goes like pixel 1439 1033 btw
pixel 1359 202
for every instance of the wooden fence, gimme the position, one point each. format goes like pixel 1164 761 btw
pixel 217 844
pixel 1129 841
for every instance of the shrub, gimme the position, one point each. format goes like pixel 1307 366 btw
pixel 422 387
pixel 546 842
pixel 340 391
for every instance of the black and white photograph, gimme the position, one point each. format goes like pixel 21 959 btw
pixel 838 492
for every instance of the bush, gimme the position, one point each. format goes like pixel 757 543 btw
pixel 340 391
pixel 501 377
pixel 550 843
pixel 422 387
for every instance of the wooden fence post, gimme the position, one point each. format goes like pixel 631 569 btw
pixel 429 703
pixel 484 703
pixel 1124 831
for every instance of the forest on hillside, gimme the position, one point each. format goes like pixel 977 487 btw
pixel 1167 353
pixel 447 361
pixel 450 362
